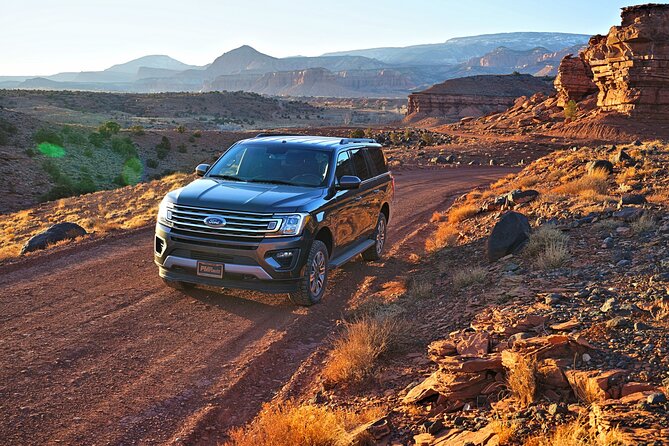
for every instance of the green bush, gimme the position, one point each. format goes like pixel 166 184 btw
pixel 108 129
pixel 181 129
pixel 64 186
pixel 182 148
pixel 163 147
pixel 197 134
pixel 570 110
pixel 46 135
pixel 132 171
pixel 124 146
pixel 151 163
pixel 74 136
pixel 30 152
pixel 88 152
pixel 96 139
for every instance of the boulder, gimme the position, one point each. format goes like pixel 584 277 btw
pixel 628 213
pixel 451 386
pixel 55 234
pixel 594 384
pixel 473 344
pixel 632 199
pixel 508 236
pixel 600 165
pixel 622 157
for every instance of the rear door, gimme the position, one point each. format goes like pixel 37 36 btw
pixel 379 183
pixel 366 213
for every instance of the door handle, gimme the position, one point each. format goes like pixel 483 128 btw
pixel 358 198
pixel 376 191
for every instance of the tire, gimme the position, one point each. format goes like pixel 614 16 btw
pixel 315 277
pixel 177 284
pixel 376 251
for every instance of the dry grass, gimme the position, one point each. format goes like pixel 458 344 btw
pixel 587 391
pixel 606 225
pixel 443 237
pixel 506 431
pixel 592 184
pixel 462 213
pixel 420 288
pixel 578 433
pixel 661 310
pixel 521 380
pixel 548 246
pixel 645 223
pixel 100 212
pixel 659 197
pixel 470 276
pixel 289 424
pixel 354 354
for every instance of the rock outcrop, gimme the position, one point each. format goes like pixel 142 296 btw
pixel 630 65
pixel 455 99
pixel 574 80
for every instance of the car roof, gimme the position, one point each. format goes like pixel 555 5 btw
pixel 316 142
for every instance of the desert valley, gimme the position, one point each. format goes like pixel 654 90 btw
pixel 523 298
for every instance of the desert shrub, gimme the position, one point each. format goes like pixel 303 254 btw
pixel 593 182
pixel 108 129
pixel 461 213
pixel 197 134
pixel 445 236
pixel 357 133
pixel 29 151
pixel 151 163
pixel 191 139
pixel 548 247
pixel 181 129
pixel 420 288
pixel 163 147
pixel 182 148
pixel 88 152
pixel 427 138
pixel 521 380
pixel 124 147
pixel 355 353
pixel 132 171
pixel 469 276
pixel 6 130
pixel 644 224
pixel 395 138
pixel 96 139
pixel 64 186
pixel 49 136
pixel 73 135
pixel 578 433
pixel 289 423
pixel 570 110
pixel 137 130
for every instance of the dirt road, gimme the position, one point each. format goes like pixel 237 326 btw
pixel 95 350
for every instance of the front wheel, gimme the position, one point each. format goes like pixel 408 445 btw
pixel 374 252
pixel 315 277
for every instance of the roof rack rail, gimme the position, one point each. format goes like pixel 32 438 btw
pixel 356 140
pixel 266 134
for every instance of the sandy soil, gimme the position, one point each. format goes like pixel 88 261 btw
pixel 95 350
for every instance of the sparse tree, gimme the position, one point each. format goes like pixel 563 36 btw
pixel 570 110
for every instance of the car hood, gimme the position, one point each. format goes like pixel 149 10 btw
pixel 248 197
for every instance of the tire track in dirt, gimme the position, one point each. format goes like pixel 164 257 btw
pixel 94 349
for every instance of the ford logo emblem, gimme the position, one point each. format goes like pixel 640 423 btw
pixel 215 222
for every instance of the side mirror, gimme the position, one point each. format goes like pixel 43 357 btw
pixel 348 182
pixel 201 169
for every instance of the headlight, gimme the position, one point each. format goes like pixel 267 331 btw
pixel 292 224
pixel 165 212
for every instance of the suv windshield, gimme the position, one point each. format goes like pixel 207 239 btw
pixel 273 164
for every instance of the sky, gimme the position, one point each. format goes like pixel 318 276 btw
pixel 42 37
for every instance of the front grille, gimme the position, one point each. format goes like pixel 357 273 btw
pixel 240 226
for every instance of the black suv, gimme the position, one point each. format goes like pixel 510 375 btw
pixel 274 213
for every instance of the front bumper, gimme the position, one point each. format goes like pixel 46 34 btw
pixel 247 264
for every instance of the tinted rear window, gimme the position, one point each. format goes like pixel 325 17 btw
pixel 379 165
pixel 360 164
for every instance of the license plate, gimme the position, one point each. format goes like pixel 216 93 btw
pixel 209 269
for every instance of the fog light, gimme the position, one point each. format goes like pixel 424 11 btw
pixel 283 254
pixel 282 259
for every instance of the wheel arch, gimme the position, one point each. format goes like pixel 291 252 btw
pixel 325 235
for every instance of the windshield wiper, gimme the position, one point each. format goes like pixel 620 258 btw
pixel 269 181
pixel 226 177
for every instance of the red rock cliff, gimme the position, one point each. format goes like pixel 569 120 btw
pixel 630 65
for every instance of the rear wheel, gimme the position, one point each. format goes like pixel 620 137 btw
pixel 375 251
pixel 315 277
pixel 177 284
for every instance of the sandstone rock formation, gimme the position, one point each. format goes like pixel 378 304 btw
pixel 574 80
pixel 474 95
pixel 630 65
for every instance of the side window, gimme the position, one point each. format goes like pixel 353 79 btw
pixel 344 165
pixel 378 160
pixel 360 164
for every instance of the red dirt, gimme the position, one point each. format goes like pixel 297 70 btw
pixel 95 350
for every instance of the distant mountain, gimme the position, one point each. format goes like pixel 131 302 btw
pixel 390 72
pixel 461 49
pixel 154 61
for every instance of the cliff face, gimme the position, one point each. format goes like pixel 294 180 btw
pixel 474 96
pixel 630 65
pixel 574 80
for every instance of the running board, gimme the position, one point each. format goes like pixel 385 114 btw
pixel 350 253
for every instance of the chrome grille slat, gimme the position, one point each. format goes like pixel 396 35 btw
pixel 239 225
